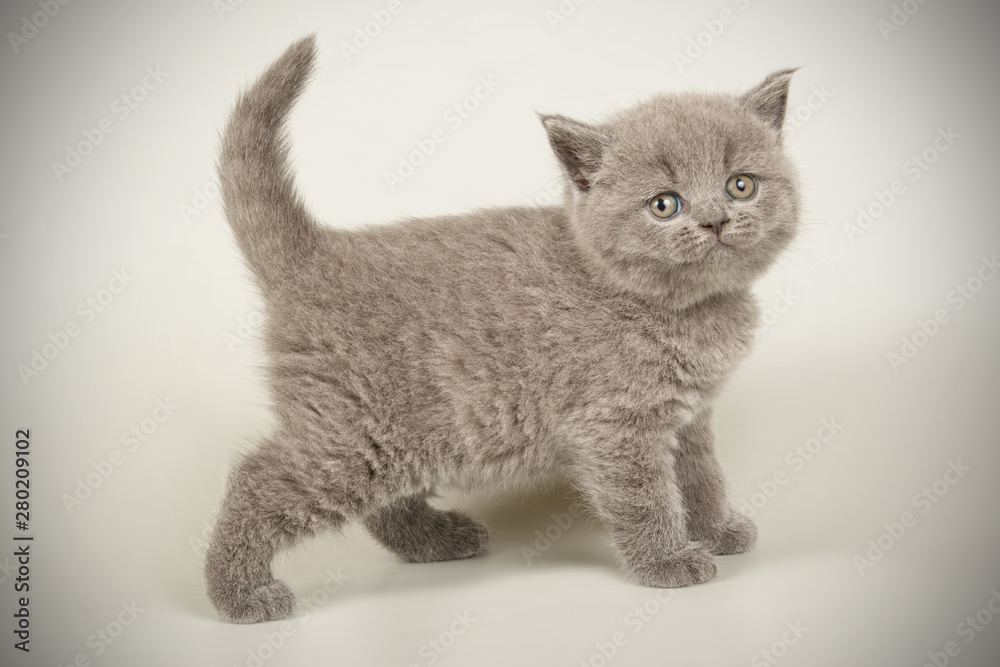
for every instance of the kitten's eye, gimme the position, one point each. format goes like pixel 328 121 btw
pixel 665 205
pixel 741 186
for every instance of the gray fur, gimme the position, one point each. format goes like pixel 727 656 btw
pixel 587 340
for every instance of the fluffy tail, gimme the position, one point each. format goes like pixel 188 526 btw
pixel 273 228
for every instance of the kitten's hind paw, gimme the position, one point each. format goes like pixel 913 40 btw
pixel 419 533
pixel 269 602
pixel 738 536
pixel 451 536
pixel 691 565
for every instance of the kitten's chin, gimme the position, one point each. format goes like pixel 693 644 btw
pixel 715 255
pixel 719 249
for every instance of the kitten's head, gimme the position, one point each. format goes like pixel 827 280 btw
pixel 682 196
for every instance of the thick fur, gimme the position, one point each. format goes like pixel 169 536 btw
pixel 587 341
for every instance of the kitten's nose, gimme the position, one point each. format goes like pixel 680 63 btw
pixel 716 225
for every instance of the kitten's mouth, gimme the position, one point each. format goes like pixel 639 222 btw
pixel 719 245
pixel 720 250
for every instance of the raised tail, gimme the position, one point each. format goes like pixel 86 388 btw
pixel 273 228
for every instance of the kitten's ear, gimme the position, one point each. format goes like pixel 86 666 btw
pixel 769 98
pixel 580 148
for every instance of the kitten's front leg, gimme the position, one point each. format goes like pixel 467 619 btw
pixel 631 481
pixel 710 517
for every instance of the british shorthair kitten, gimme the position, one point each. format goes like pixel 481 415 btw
pixel 586 340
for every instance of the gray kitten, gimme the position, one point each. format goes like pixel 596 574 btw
pixel 587 340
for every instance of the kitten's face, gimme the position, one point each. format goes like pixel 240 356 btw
pixel 683 196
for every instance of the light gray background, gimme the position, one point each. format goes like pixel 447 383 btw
pixel 849 302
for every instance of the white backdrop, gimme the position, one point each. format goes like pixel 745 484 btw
pixel 129 348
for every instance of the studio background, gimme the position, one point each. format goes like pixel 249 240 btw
pixel 874 376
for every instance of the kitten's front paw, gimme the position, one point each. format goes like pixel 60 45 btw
pixel 738 536
pixel 265 603
pixel 691 565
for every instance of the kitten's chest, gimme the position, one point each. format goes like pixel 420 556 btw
pixel 663 356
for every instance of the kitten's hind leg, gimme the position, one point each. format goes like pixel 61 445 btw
pixel 270 503
pixel 710 517
pixel 418 533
